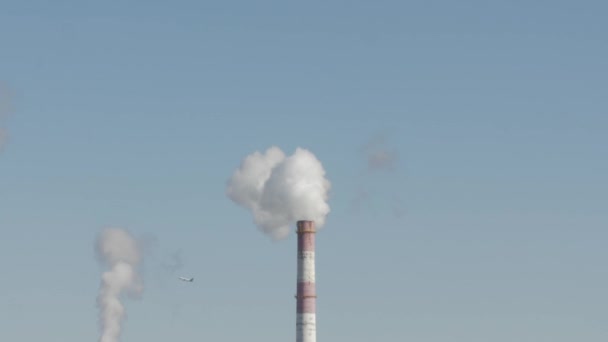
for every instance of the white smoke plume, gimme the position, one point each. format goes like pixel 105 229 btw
pixel 280 189
pixel 121 254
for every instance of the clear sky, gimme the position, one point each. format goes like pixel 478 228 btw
pixel 490 222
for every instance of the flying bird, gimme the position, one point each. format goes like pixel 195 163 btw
pixel 186 279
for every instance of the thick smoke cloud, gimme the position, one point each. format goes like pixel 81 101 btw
pixel 280 189
pixel 121 254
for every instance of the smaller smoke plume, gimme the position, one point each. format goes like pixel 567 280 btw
pixel 280 189
pixel 121 254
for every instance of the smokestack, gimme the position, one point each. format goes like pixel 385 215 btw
pixel 306 321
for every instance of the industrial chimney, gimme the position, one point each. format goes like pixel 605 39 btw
pixel 306 325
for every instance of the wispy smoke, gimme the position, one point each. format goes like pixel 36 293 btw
pixel 381 170
pixel 2 137
pixel 5 109
pixel 379 156
pixel 121 254
pixel 161 266
pixel 279 190
pixel 175 264
pixel 150 247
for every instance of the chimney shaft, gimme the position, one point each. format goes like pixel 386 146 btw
pixel 306 325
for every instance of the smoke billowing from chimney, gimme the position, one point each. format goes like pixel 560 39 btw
pixel 121 254
pixel 280 189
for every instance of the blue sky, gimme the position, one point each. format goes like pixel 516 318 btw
pixel 135 115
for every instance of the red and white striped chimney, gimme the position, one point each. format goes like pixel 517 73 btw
pixel 306 322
